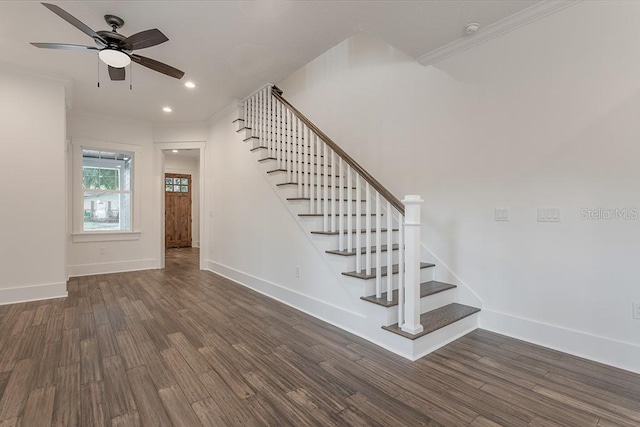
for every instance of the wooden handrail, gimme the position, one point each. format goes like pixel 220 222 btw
pixel 395 202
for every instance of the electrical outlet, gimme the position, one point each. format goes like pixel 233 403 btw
pixel 549 215
pixel 636 310
pixel 502 214
pixel 298 271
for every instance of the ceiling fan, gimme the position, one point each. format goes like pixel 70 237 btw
pixel 113 48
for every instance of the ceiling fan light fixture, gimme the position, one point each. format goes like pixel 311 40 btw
pixel 114 58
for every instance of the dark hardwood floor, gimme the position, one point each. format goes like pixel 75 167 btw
pixel 184 347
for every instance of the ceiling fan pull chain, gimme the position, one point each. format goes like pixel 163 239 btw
pixel 130 77
pixel 98 71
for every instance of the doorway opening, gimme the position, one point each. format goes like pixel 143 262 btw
pixel 181 181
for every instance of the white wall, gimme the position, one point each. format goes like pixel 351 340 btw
pixel 32 170
pixel 177 163
pixel 121 255
pixel 546 115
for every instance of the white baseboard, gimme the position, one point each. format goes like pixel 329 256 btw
pixel 334 315
pixel 111 267
pixel 616 353
pixel 195 244
pixel 33 293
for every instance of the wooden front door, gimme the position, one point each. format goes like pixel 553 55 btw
pixel 177 208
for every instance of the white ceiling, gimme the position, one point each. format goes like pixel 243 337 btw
pixel 228 48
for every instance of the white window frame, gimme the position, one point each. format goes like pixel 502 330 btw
pixel 79 234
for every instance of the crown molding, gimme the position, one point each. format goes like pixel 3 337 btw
pixel 503 26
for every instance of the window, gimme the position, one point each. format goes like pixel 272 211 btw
pixel 107 190
pixel 176 185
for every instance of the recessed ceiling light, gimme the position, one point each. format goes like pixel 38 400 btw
pixel 175 151
pixel 167 109
pixel 190 85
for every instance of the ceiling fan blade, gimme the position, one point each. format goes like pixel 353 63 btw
pixel 73 21
pixel 158 66
pixel 116 73
pixel 63 46
pixel 146 39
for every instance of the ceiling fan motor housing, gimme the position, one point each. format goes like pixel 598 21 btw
pixel 114 41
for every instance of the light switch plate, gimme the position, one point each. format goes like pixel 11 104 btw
pixel 503 214
pixel 549 215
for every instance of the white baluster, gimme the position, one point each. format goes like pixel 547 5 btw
pixel 294 148
pixel 333 190
pixel 300 159
pixel 390 253
pixel 270 121
pixel 367 220
pixel 307 161
pixel 260 120
pixel 278 151
pixel 250 115
pixel 349 212
pixel 265 120
pixel 245 116
pixel 325 192
pixel 358 225
pixel 287 146
pixel 254 130
pixel 412 272
pixel 401 269
pixel 379 248
pixel 341 217
pixel 312 185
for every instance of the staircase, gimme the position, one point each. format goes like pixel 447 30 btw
pixel 372 233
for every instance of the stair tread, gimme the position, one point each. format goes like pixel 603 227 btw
pixel 365 276
pixel 335 233
pixel 436 319
pixel 426 288
pixel 352 252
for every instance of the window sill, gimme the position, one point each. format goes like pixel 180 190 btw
pixel 104 236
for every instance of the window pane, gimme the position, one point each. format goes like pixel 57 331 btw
pixel 168 187
pixel 107 211
pixel 185 189
pixel 103 170
pixel 176 188
pixel 176 180
pixel 185 181
pixel 168 181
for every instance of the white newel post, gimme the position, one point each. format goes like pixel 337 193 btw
pixel 412 264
